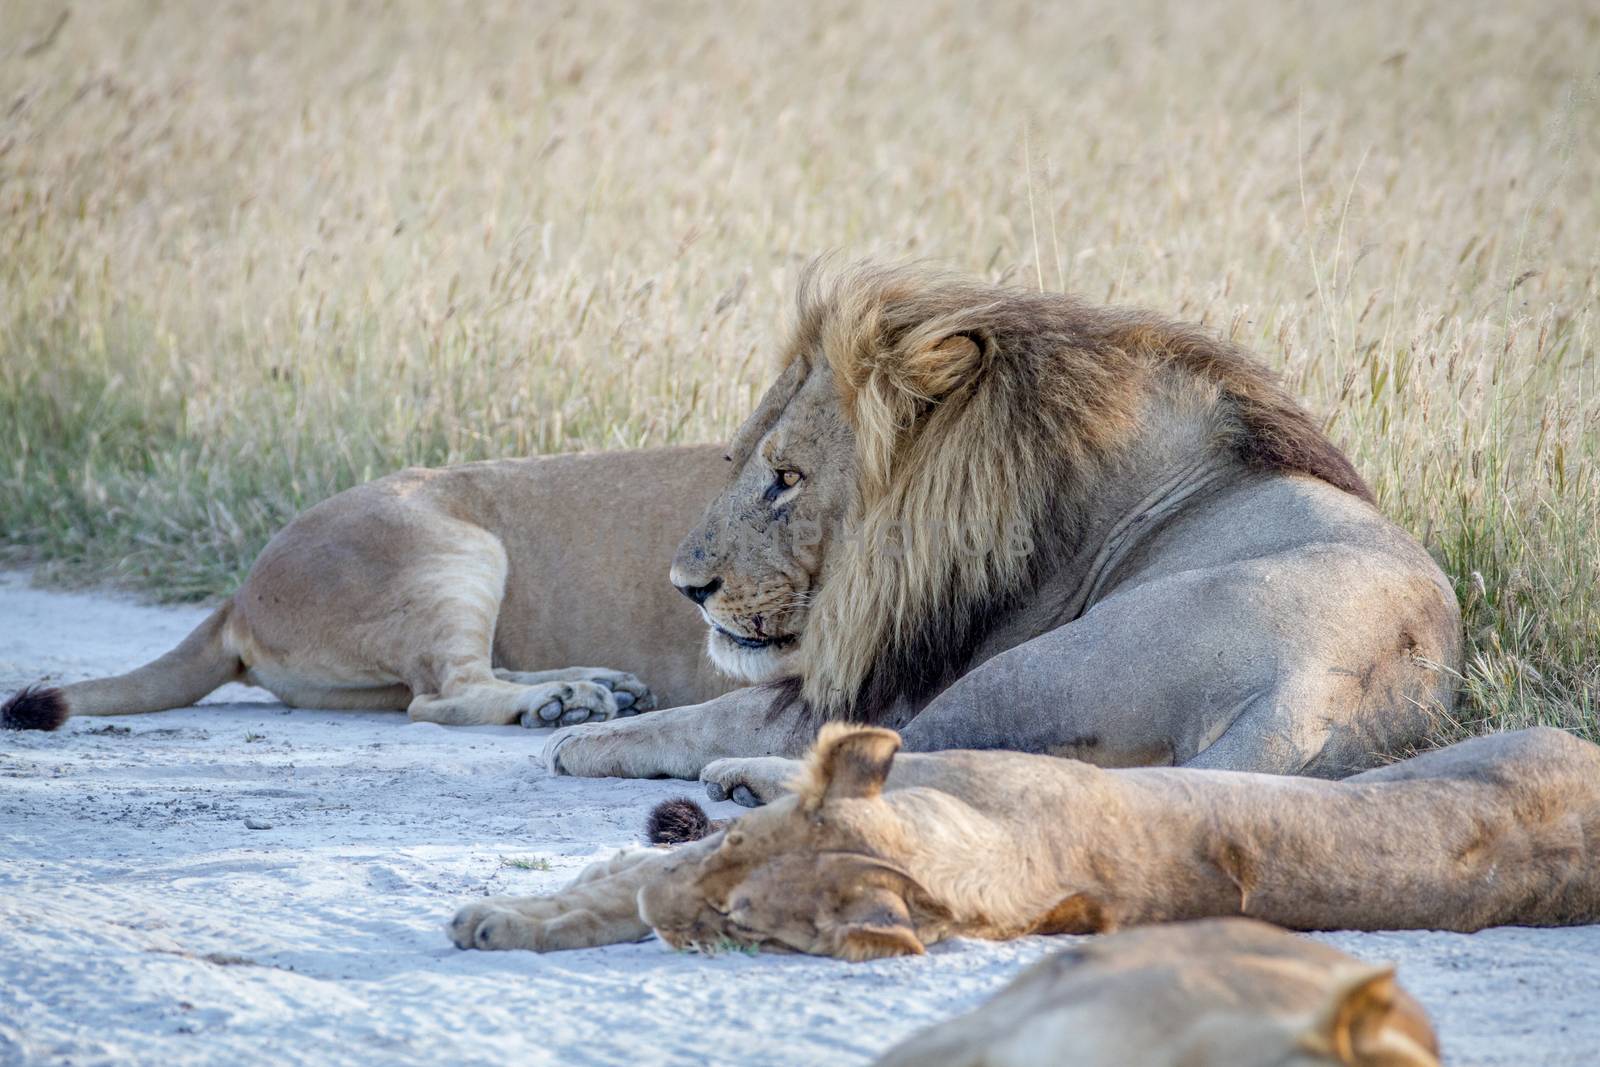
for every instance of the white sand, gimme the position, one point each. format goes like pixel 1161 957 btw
pixel 142 922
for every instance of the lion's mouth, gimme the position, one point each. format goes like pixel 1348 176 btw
pixel 780 641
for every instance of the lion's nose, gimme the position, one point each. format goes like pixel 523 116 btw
pixel 700 593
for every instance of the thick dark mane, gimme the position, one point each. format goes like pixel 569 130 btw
pixel 1277 433
pixel 1008 432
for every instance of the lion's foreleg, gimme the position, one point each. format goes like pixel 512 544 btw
pixel 679 742
pixel 618 862
pixel 599 907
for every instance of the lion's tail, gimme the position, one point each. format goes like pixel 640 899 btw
pixel 679 821
pixel 200 663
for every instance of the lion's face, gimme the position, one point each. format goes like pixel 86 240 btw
pixel 814 872
pixel 821 902
pixel 755 560
pixel 785 881
pixel 874 489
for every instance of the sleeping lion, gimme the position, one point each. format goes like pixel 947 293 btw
pixel 873 854
pixel 460 596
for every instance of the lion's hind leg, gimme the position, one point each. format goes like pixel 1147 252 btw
pixel 385 602
pixel 439 637
pixel 299 694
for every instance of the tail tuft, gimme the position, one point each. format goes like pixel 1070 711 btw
pixel 34 708
pixel 677 822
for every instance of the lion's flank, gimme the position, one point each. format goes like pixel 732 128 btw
pixel 989 409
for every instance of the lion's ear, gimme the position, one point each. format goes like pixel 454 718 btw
pixel 874 926
pixel 861 943
pixel 934 370
pixel 1354 1016
pixel 847 763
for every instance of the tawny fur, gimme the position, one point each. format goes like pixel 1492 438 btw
pixel 989 409
pixel 996 518
pixel 1214 993
pixel 875 854
pixel 461 595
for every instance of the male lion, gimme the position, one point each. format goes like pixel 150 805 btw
pixel 995 518
pixel 443 593
pixel 1218 993
pixel 873 855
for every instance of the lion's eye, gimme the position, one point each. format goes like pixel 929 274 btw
pixel 783 481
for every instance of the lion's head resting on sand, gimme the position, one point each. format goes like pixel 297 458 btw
pixel 814 872
pixel 923 458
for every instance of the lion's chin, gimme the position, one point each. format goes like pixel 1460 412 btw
pixel 752 665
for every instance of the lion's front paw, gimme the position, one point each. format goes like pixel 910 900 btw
pixel 751 781
pixel 633 697
pixel 568 703
pixel 544 924
pixel 487 925
pixel 552 753
pixel 647 746
pixel 559 697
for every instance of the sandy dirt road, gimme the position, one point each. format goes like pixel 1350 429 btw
pixel 143 920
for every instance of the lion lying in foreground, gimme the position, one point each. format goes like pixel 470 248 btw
pixel 1217 993
pixel 873 855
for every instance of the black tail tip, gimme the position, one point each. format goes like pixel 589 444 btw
pixel 34 708
pixel 676 822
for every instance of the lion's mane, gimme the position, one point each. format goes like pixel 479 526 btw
pixel 1003 435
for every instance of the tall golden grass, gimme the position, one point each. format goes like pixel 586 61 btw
pixel 251 254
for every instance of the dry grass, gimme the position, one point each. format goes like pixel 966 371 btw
pixel 254 253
